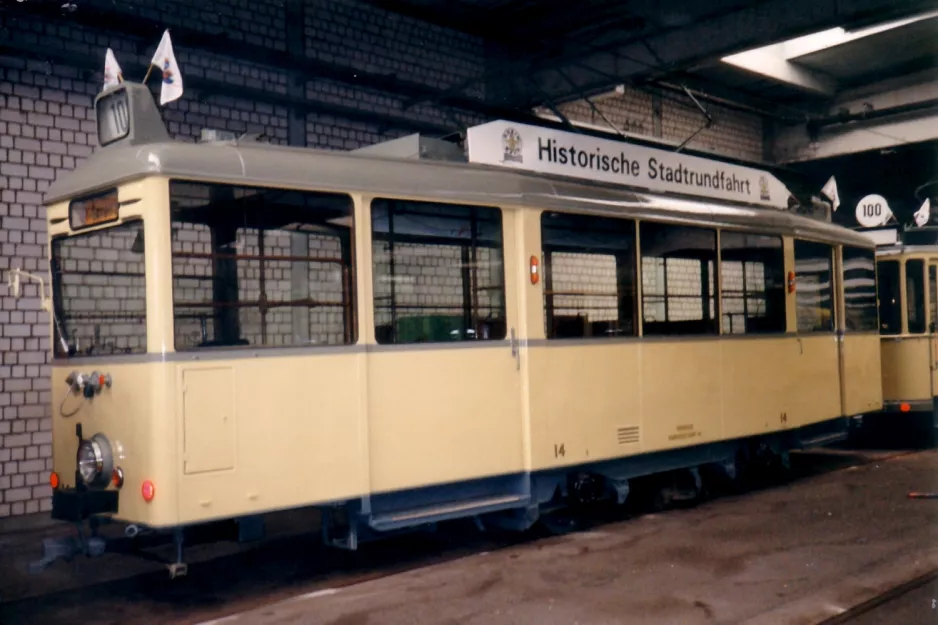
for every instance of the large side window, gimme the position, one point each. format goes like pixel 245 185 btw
pixel 890 297
pixel 915 295
pixel 261 267
pixel 589 276
pixel 678 292
pixel 752 282
pixel 815 302
pixel 860 290
pixel 438 272
pixel 100 292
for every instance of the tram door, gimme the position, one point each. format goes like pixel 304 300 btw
pixel 445 376
pixel 858 333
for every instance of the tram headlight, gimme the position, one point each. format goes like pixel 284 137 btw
pixel 95 462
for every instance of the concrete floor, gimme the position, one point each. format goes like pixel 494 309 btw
pixel 796 553
pixel 793 554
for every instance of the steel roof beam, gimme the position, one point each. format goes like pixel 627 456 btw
pixel 706 39
pixel 888 114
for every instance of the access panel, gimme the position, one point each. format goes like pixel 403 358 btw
pixel 208 416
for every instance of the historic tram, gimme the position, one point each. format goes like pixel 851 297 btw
pixel 240 327
pixel 908 312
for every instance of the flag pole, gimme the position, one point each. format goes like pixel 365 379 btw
pixel 149 69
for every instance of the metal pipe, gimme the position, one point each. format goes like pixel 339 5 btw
pixel 835 120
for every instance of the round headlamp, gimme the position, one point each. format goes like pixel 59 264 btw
pixel 95 462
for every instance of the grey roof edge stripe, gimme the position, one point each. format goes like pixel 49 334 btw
pixel 330 170
pixel 251 353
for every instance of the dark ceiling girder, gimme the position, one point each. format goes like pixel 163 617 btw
pixel 455 17
pixel 861 116
pixel 914 66
pixel 764 22
pixel 541 60
pixel 517 59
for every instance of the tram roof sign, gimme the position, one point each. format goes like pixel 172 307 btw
pixel 550 151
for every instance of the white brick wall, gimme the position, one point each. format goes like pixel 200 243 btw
pixel 46 127
pixel 683 299
pixel 193 286
pixel 428 280
pixel 585 273
pixel 103 288
pixel 733 133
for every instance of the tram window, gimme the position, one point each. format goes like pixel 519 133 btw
pixel 752 281
pixel 438 272
pixel 859 290
pixel 889 296
pixel 99 290
pixel 589 276
pixel 814 292
pixel 678 291
pixel 261 267
pixel 932 292
pixel 915 295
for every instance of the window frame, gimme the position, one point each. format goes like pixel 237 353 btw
pixel 932 291
pixel 472 318
pixel 832 286
pixel 58 316
pixel 781 287
pixel 630 252
pixel 899 307
pixel 715 320
pixel 922 294
pixel 350 302
pixel 843 280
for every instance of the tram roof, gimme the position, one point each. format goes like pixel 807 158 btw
pixel 269 165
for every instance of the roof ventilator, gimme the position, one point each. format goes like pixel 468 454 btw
pixel 417 147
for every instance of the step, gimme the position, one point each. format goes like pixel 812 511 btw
pixel 824 439
pixel 446 511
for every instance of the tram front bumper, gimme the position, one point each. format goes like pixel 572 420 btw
pixel 69 504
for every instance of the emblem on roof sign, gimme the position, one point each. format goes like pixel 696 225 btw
pixel 511 146
pixel 764 188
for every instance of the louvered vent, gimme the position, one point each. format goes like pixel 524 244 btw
pixel 628 435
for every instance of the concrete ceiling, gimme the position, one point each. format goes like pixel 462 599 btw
pixel 905 48
pixel 545 52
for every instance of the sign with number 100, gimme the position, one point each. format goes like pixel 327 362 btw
pixel 873 210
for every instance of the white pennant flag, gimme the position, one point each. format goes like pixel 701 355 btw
pixel 165 61
pixel 923 214
pixel 112 70
pixel 830 190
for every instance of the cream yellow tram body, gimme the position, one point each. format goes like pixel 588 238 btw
pixel 908 310
pixel 241 328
